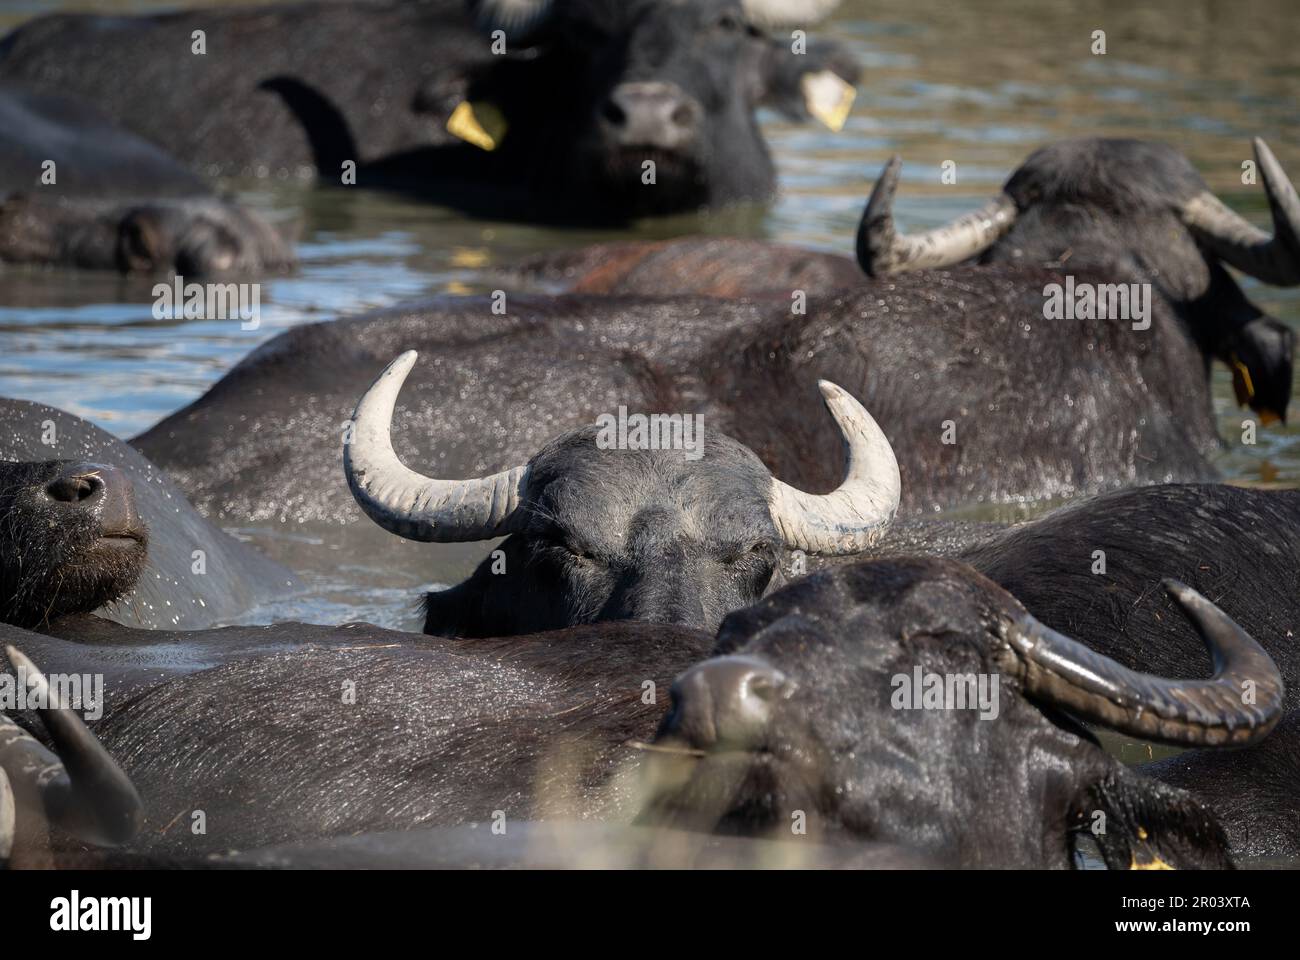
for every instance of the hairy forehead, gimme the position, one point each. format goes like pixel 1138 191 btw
pixel 608 493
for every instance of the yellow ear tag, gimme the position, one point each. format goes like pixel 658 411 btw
pixel 1156 864
pixel 1241 382
pixel 480 124
pixel 828 98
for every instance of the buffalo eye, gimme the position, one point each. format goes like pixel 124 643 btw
pixel 579 553
pixel 759 550
pixel 729 23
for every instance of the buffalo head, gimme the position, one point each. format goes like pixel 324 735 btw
pixel 915 701
pixel 191 237
pixel 613 85
pixel 1141 211
pixel 599 534
pixel 70 539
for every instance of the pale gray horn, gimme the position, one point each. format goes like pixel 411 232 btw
pixel 850 518
pixel 788 13
pixel 410 504
pixel 8 819
pixel 1239 705
pixel 78 786
pixel 883 251
pixel 1274 259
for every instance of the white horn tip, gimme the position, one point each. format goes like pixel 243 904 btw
pixel 19 659
pixel 830 391
pixel 402 365
pixel 838 400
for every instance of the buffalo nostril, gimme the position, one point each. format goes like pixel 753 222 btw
pixel 727 700
pixel 614 114
pixel 763 687
pixel 74 487
pixel 651 114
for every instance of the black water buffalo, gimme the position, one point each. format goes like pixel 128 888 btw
pixel 913 701
pixel 983 397
pixel 360 729
pixel 1251 793
pixel 551 115
pixel 1093 570
pixel 1134 211
pixel 87 522
pixel 78 191
pixel 673 527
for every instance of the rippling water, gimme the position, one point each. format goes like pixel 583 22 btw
pixel 980 84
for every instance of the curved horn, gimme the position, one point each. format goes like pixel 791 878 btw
pixel 1062 671
pixel 883 251
pixel 1274 259
pixel 8 819
pixel 81 788
pixel 851 517
pixel 410 504
pixel 517 15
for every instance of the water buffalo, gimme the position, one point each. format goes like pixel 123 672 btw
pixel 547 116
pixel 86 522
pixel 78 191
pixel 672 529
pixel 913 701
pixel 1132 210
pixel 1251 793
pixel 507 708
pixel 983 397
pixel 1093 570
pixel 360 729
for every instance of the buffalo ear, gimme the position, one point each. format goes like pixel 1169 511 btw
pixel 1143 824
pixel 817 83
pixel 1260 356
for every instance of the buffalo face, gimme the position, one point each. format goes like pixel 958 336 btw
pixel 70 539
pixel 677 533
pixel 198 238
pixel 625 535
pixel 192 238
pixel 659 86
pixel 803 716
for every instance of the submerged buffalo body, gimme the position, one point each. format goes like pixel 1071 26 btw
pixel 501 113
pixel 433 733
pixel 915 702
pixel 1126 225
pixel 1092 570
pixel 78 191
pixel 87 522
